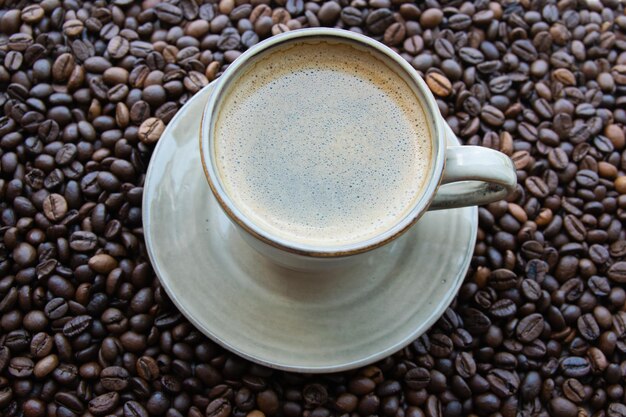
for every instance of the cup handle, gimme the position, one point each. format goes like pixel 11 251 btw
pixel 472 176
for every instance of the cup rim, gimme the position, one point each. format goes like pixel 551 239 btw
pixel 419 206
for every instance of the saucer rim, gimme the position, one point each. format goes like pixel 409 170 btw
pixel 179 303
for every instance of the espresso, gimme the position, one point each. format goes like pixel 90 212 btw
pixel 322 144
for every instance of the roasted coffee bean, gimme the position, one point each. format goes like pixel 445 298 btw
pixel 503 383
pixel 77 325
pixel 444 48
pixel 617 272
pixel 588 327
pixel 314 395
pixel 41 345
pixel 574 390
pixel 440 345
pixel 492 115
pixel 379 20
pixel 439 84
pixel 616 410
pixel 471 56
pixel 55 207
pixel 114 378
pixel 431 17
pixel 574 228
pixel 56 308
pixel 63 67
pixel 195 81
pixel 361 385
pixel 69 401
pixel 460 21
pixel 104 404
pixel 563 407
pixel 218 408
pixel 351 16
pixel 529 328
pixel 476 322
pixel 150 130
pixel 169 13
pixel 134 409
pixel 417 378
pixel 328 13
pixel 45 366
pixel 147 368
pixel 83 241
pixel 574 366
pixel 524 49
pixel 465 365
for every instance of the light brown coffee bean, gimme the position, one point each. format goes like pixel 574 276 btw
pixel 150 130
pixel 45 366
pixel 439 84
pixel 55 207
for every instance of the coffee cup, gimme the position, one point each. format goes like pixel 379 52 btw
pixel 322 144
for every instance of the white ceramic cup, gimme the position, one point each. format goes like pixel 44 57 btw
pixel 459 175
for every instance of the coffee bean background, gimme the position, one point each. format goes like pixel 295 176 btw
pixel 86 90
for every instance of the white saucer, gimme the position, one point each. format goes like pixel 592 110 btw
pixel 290 320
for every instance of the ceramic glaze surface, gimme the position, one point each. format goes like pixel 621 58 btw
pixel 299 321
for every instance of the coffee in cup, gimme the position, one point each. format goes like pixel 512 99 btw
pixel 322 143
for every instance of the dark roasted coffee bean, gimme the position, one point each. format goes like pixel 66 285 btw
pixel 616 409
pixel 55 207
pixel 465 365
pixel 417 378
pixel 314 395
pixel 169 13
pixel 476 322
pixel 574 390
pixel 525 50
pixel 471 56
pixel 69 401
pixel 379 20
pixel 574 366
pixel 351 16
pixel 617 272
pixel 563 407
pixel 530 327
pixel 503 383
pixel 114 378
pixel 440 345
pixel 147 368
pixel 56 308
pixel 83 241
pixel 41 345
pixel 77 325
pixel 45 366
pixel 63 67
pixel 588 327
pixel 431 17
pixel 574 228
pixel 104 403
pixel 492 115
pixel 218 408
pixel 134 409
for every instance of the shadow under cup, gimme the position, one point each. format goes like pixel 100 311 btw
pixel 285 251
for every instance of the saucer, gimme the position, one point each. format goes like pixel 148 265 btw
pixel 296 321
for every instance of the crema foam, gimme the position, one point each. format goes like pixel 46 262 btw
pixel 322 144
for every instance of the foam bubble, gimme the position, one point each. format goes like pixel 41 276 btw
pixel 322 144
